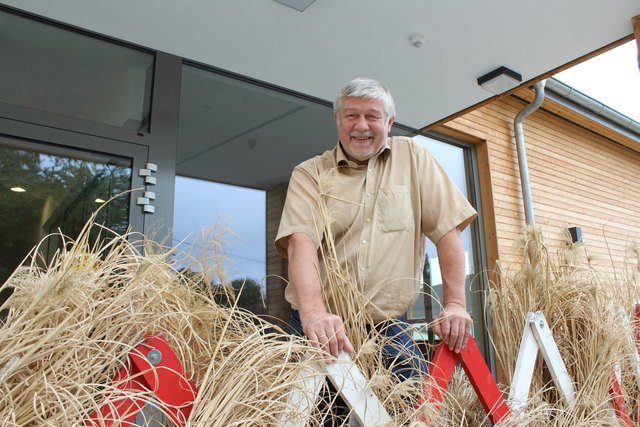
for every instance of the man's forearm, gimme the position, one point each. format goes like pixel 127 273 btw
pixel 454 323
pixel 304 274
pixel 452 264
pixel 324 330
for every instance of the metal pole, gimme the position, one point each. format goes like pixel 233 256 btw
pixel 522 153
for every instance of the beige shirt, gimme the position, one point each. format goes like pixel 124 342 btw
pixel 380 215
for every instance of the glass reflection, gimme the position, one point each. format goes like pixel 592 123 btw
pixel 234 251
pixel 59 193
pixel 48 68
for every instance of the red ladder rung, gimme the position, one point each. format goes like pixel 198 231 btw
pixel 443 365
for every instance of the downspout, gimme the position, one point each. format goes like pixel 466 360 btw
pixel 522 153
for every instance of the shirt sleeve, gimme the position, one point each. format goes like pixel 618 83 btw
pixel 300 213
pixel 443 205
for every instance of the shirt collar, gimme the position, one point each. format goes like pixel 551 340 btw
pixel 342 160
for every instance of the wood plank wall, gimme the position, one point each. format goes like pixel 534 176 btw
pixel 578 178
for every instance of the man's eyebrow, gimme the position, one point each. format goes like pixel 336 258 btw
pixel 368 111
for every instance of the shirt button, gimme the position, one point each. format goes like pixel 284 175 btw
pixel 362 268
pixel 368 219
pixel 364 242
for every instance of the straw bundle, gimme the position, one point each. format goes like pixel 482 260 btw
pixel 72 324
pixel 581 309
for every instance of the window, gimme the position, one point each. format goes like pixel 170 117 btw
pixel 63 72
pixel 235 253
pixel 454 160
pixel 44 189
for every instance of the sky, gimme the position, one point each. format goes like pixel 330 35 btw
pixel 239 212
pixel 612 78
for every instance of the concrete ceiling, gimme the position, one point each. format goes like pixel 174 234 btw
pixel 316 51
pixel 246 135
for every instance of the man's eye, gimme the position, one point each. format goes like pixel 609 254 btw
pixel 373 117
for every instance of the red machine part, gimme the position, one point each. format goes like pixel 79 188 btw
pixel 151 371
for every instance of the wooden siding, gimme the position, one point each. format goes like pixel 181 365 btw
pixel 578 178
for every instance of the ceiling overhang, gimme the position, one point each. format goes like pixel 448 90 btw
pixel 316 51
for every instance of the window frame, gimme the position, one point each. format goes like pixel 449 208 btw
pixel 480 282
pixel 32 115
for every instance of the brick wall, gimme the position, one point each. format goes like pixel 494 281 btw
pixel 276 265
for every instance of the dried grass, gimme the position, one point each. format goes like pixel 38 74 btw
pixel 72 323
pixel 577 303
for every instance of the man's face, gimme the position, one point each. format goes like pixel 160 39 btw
pixel 362 127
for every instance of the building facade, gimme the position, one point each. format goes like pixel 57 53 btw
pixel 84 118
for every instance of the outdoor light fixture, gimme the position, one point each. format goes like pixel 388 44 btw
pixel 576 234
pixel 299 5
pixel 500 80
pixel 99 200
pixel 18 189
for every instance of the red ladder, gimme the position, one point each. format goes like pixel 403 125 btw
pixel 615 390
pixel 444 362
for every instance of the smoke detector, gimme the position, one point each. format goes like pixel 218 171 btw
pixel 417 40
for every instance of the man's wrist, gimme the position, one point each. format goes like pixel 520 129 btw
pixel 310 312
pixel 454 304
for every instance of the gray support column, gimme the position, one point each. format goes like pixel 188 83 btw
pixel 162 142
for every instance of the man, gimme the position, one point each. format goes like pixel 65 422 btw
pixel 388 194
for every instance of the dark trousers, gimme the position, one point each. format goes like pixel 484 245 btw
pixel 400 354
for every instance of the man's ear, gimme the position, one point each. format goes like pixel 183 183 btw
pixel 391 123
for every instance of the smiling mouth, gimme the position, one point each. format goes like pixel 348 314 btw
pixel 362 138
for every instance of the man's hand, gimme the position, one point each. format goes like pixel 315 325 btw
pixel 453 325
pixel 326 332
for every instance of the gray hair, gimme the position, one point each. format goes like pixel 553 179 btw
pixel 363 87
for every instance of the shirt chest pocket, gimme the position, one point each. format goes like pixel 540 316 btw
pixel 394 208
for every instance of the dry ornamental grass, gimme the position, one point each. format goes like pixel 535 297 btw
pixel 72 323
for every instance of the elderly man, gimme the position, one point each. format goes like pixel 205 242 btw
pixel 389 194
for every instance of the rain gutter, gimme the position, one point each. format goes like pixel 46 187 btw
pixel 595 110
pixel 522 153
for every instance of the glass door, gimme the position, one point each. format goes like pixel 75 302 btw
pixel 45 189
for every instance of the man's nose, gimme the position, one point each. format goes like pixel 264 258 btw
pixel 361 124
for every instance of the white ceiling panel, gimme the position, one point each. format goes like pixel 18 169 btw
pixel 316 51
